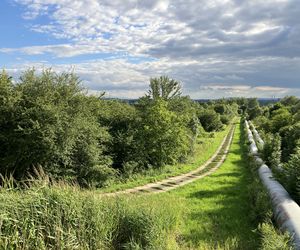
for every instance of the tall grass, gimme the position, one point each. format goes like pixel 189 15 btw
pixel 65 217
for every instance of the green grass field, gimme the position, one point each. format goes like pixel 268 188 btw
pixel 218 206
pixel 204 149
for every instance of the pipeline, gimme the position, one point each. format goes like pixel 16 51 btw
pixel 286 210
pixel 256 135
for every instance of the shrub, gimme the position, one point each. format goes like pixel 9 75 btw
pixel 225 119
pixel 290 140
pixel 272 150
pixel 210 120
pixel 162 136
pixel 291 176
pixel 121 119
pixel 49 121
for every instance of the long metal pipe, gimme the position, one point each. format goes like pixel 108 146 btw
pixel 286 210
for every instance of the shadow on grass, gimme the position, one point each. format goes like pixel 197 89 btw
pixel 224 208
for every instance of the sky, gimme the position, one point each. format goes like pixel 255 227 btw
pixel 215 48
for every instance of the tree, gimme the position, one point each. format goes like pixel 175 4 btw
pixel 121 119
pixel 253 108
pixel 210 120
pixel 52 124
pixel 289 100
pixel 272 150
pixel 279 119
pixel 164 87
pixel 291 176
pixel 162 136
pixel 290 140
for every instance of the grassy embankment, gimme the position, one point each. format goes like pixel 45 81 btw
pixel 205 147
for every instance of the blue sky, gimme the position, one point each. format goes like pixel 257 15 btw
pixel 215 48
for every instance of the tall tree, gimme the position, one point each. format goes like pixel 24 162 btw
pixel 164 87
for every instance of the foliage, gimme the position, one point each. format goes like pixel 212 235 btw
pixel 122 120
pixel 253 108
pixel 49 120
pixel 50 123
pixel 64 217
pixel 162 137
pixel 164 87
pixel 272 150
pixel 291 176
pixel 290 140
pixel 210 120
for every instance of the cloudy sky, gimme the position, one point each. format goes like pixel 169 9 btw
pixel 215 48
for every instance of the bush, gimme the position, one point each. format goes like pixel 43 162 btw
pixel 225 119
pixel 291 175
pixel 290 140
pixel 163 138
pixel 259 200
pixel 122 120
pixel 272 150
pixel 210 120
pixel 48 120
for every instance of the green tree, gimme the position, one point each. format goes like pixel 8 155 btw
pixel 290 140
pixel 163 137
pixel 289 100
pixel 121 119
pixel 279 119
pixel 52 124
pixel 272 150
pixel 291 176
pixel 210 120
pixel 164 87
pixel 253 108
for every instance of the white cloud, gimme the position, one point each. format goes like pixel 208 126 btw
pixel 214 47
pixel 118 77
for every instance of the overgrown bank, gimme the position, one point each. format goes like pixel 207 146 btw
pixel 64 217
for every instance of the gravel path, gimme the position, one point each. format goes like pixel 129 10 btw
pixel 211 165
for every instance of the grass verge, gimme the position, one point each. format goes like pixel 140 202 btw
pixel 219 207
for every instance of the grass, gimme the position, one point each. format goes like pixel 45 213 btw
pixel 218 206
pixel 204 149
pixel 64 217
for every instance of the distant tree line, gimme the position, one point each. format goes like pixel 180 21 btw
pixel 49 120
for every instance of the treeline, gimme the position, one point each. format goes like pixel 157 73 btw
pixel 49 120
pixel 279 124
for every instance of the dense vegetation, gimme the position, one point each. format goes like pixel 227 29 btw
pixel 65 217
pixel 53 130
pixel 206 214
pixel 49 120
pixel 279 125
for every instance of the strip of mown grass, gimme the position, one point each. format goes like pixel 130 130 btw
pixel 218 207
pixel 204 149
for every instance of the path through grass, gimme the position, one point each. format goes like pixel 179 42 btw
pixel 204 149
pixel 218 206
